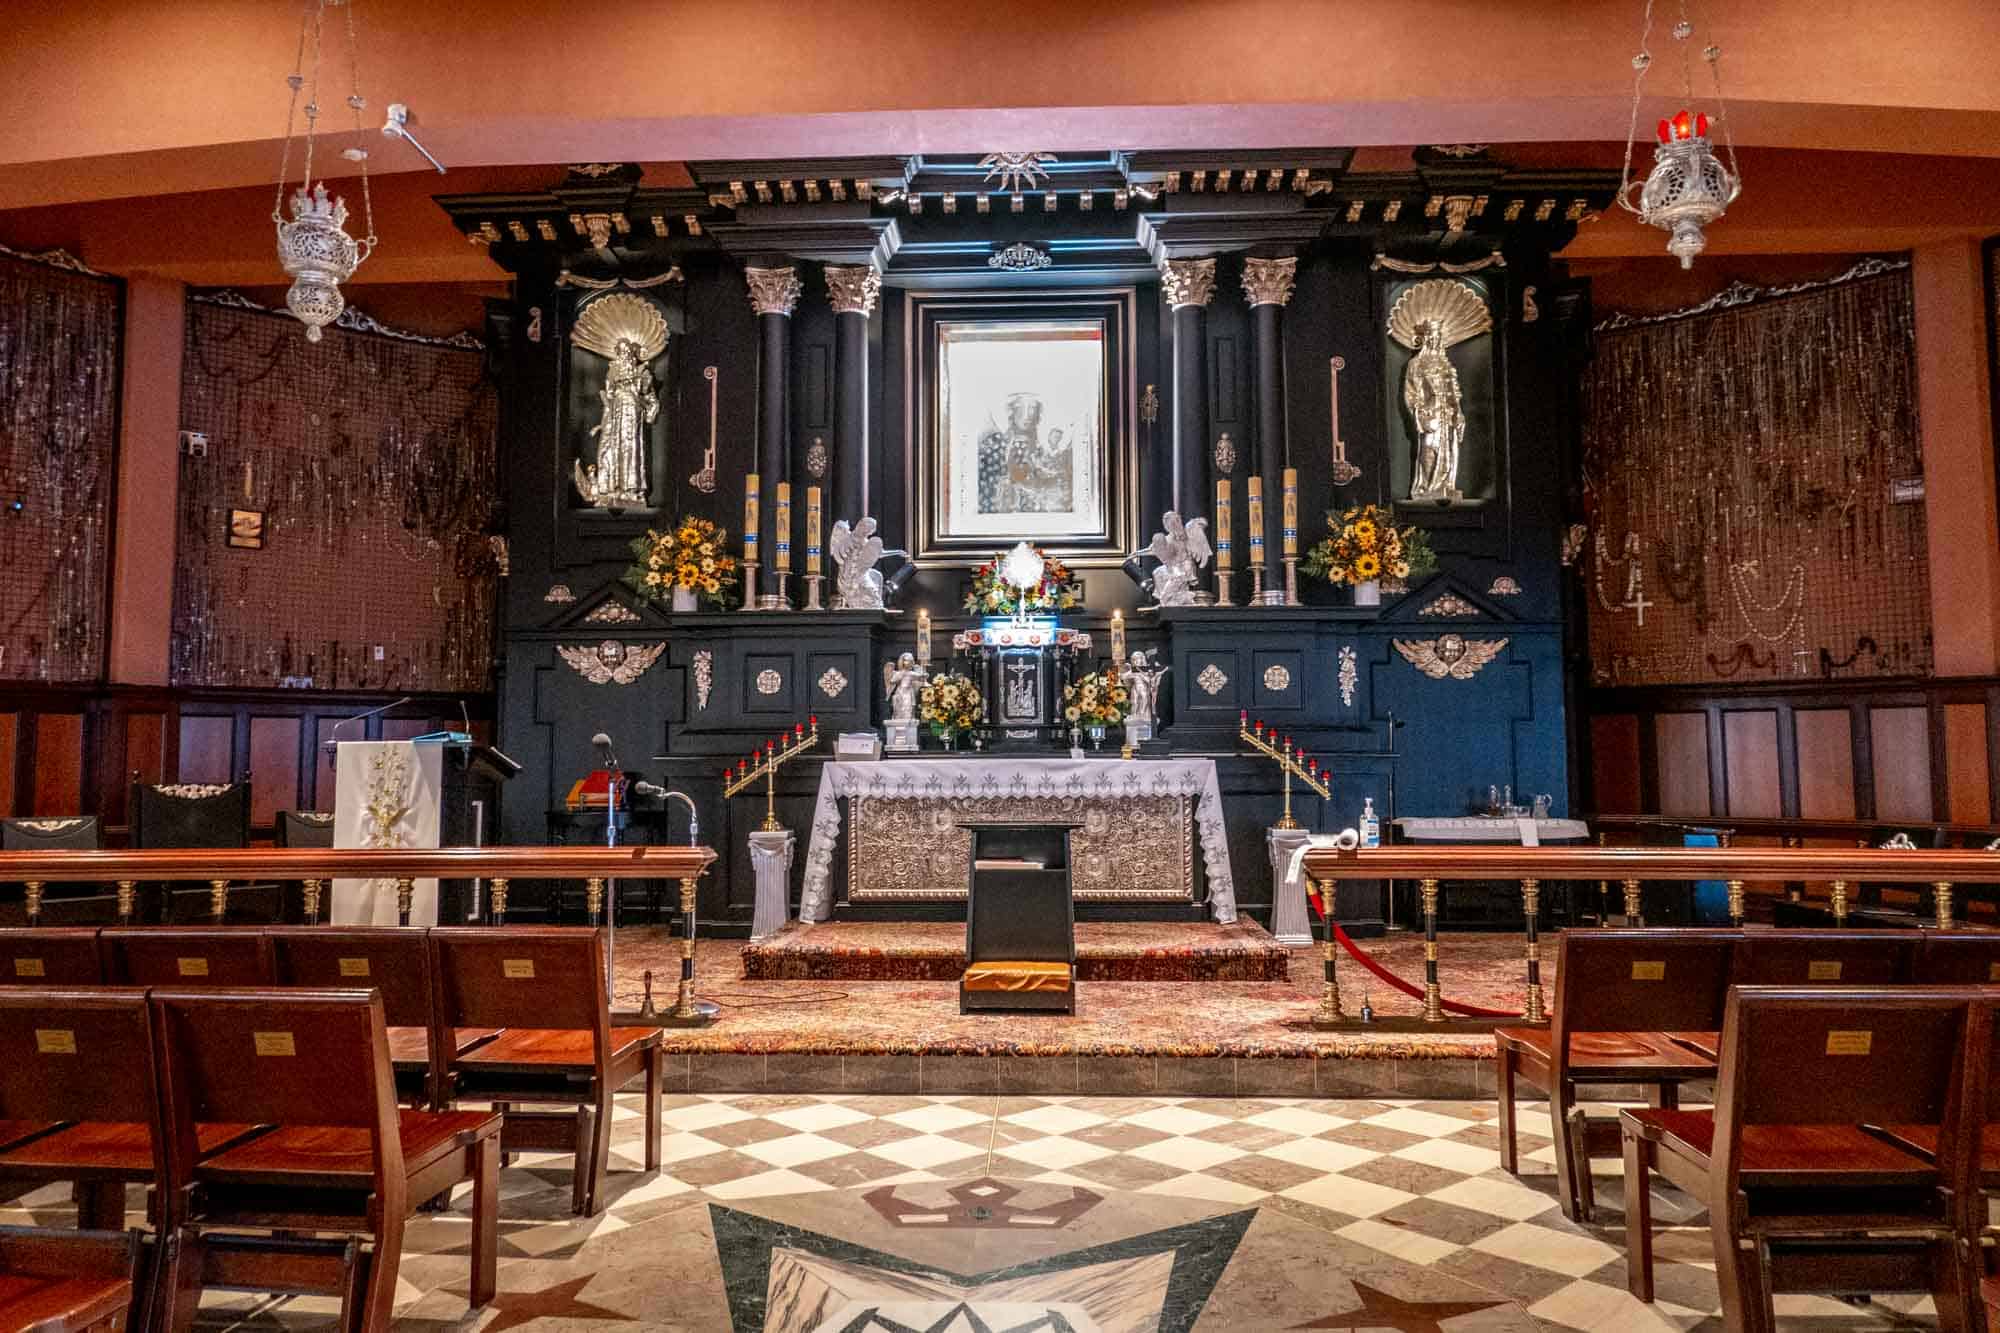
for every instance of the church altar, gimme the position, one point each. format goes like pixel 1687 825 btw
pixel 1139 821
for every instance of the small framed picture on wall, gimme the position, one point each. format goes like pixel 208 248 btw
pixel 246 529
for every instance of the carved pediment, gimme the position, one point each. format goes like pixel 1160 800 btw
pixel 610 609
pixel 1444 599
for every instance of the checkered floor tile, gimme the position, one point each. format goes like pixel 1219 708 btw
pixel 1418 1182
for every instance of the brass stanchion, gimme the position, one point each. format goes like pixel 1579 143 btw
pixel 1433 998
pixel 1795 892
pixel 34 902
pixel 1838 892
pixel 311 904
pixel 593 900
pixel 218 899
pixel 1531 908
pixel 128 895
pixel 497 903
pixel 1329 1013
pixel 406 892
pixel 1735 887
pixel 1634 909
pixel 688 1011
pixel 1603 885
pixel 1942 888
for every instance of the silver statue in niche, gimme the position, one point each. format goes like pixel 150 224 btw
pixel 902 681
pixel 630 332
pixel 1181 550
pixel 1142 684
pixel 1430 318
pixel 856 550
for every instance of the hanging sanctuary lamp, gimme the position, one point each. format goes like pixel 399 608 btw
pixel 314 246
pixel 1689 187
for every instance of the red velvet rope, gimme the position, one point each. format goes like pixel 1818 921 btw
pixel 1388 978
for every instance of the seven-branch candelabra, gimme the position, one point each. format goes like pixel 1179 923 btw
pixel 1293 762
pixel 765 764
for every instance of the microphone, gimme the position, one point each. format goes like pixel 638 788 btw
pixel 465 716
pixel 610 756
pixel 334 736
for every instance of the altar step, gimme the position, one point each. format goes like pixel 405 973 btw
pixel 935 951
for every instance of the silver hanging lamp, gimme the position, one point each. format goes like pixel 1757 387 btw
pixel 1689 187
pixel 313 245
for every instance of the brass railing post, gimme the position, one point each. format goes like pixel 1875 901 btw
pixel 497 901
pixel 1603 885
pixel 128 894
pixel 688 1011
pixel 593 900
pixel 1942 888
pixel 1735 902
pixel 34 901
pixel 310 904
pixel 218 899
pixel 1794 891
pixel 1433 998
pixel 1329 1013
pixel 1838 893
pixel 1634 907
pixel 406 892
pixel 1531 908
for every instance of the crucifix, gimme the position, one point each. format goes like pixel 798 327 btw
pixel 1637 604
pixel 1020 700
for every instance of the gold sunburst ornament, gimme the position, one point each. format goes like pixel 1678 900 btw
pixel 1016 172
pixel 1458 311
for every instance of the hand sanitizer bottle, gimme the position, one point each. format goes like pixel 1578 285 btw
pixel 1371 826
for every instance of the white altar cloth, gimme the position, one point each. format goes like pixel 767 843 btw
pixel 1004 777
pixel 1494 828
pixel 386 794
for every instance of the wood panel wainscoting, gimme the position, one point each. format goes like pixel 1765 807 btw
pixel 1894 751
pixel 74 750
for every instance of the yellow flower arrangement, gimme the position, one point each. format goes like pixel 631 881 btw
pixel 950 702
pixel 1096 700
pixel 1366 544
pixel 688 555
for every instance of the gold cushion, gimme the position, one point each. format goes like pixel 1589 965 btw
pixel 1017 977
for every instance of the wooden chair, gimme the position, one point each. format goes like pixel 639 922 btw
pixel 1803 1190
pixel 188 956
pixel 306 828
pixel 397 962
pixel 338 1160
pixel 542 987
pixel 202 816
pixel 67 903
pixel 1825 957
pixel 67 1281
pixel 51 956
pixel 1632 1007
pixel 1958 958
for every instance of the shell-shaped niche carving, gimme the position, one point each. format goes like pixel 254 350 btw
pixel 1456 307
pixel 621 317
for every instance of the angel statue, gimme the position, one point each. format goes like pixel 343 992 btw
pixel 1142 685
pixel 630 332
pixel 856 550
pixel 1181 550
pixel 902 680
pixel 1429 318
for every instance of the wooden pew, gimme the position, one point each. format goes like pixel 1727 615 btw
pixel 1803 1191
pixel 67 1281
pixel 188 956
pixel 1825 957
pixel 1958 958
pixel 338 1159
pixel 396 961
pixel 543 987
pixel 1631 1008
pixel 51 956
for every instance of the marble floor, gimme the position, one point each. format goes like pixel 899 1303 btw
pixel 873 1214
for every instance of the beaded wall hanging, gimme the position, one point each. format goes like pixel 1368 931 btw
pixel 370 459
pixel 59 350
pixel 1754 484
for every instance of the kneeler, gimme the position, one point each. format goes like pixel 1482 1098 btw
pixel 316 1202
pixel 1805 1190
pixel 1632 1007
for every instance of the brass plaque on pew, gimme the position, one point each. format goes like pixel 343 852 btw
pixel 1656 971
pixel 354 967
pixel 1849 1042
pixel 55 1041
pixel 518 969
pixel 193 967
pixel 273 1043
pixel 1993 971
pixel 29 967
pixel 1823 969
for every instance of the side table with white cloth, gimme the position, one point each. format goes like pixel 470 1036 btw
pixel 1149 830
pixel 1467 904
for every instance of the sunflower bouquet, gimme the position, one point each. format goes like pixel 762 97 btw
pixel 950 703
pixel 1097 700
pixel 990 595
pixel 689 555
pixel 1366 545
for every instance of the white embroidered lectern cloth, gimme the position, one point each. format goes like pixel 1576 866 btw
pixel 386 794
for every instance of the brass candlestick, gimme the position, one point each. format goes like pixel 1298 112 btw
pixel 1291 762
pixel 1291 580
pixel 766 767
pixel 749 585
pixel 813 582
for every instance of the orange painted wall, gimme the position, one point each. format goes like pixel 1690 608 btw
pixel 142 574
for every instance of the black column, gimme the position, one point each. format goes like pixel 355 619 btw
pixel 1267 284
pixel 774 293
pixel 853 291
pixel 1188 285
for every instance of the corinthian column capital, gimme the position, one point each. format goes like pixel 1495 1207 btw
pixel 1269 281
pixel 773 291
pixel 1188 281
pixel 853 288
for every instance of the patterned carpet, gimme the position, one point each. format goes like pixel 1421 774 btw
pixel 785 1213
